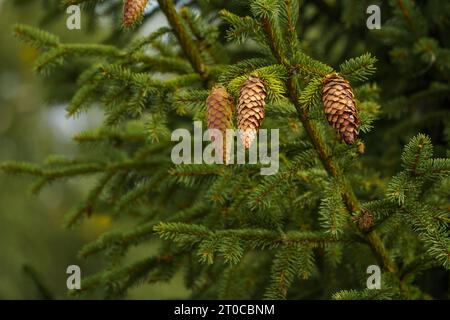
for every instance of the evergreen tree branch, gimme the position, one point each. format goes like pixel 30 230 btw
pixel 406 15
pixel 118 275
pixel 138 234
pixel 91 201
pixel 324 152
pixel 186 42
pixel 366 294
pixel 255 238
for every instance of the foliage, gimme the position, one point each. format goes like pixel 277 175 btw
pixel 265 234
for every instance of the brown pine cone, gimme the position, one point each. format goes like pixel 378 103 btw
pixel 365 220
pixel 220 108
pixel 132 11
pixel 250 111
pixel 340 107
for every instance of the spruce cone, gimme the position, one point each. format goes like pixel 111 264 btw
pixel 132 11
pixel 340 107
pixel 365 220
pixel 250 111
pixel 219 111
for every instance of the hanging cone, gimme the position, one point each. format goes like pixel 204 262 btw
pixel 250 111
pixel 340 107
pixel 365 220
pixel 219 112
pixel 132 11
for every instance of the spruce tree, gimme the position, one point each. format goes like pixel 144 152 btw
pixel 337 204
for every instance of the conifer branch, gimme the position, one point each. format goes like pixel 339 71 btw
pixel 407 16
pixel 325 155
pixel 256 238
pixel 108 134
pixel 242 27
pixel 117 276
pixel 184 38
pixel 74 216
pixel 137 234
pixel 366 294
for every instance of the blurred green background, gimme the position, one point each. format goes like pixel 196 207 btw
pixel 35 249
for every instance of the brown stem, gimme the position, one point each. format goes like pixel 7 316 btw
pixel 186 43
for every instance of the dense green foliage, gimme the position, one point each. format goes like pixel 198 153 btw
pixel 232 232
